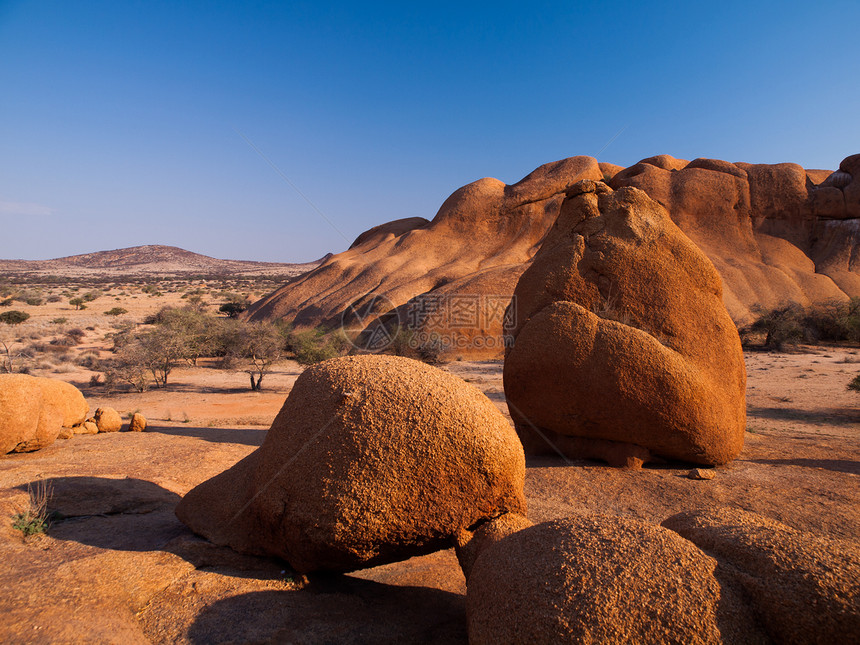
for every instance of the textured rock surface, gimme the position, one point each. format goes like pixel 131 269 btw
pixel 477 244
pixel 804 588
pixel 599 579
pixel 21 403
pixel 622 336
pixel 776 233
pixel 35 411
pixel 137 423
pixel 471 543
pixel 67 399
pixel 108 420
pixel 372 459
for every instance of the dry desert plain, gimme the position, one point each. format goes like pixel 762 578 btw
pixel 118 567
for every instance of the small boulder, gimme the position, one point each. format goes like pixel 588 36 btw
pixel 701 474
pixel 372 459
pixel 137 423
pixel 108 420
pixel 87 427
pixel 598 579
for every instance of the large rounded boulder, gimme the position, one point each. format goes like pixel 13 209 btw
pixel 598 579
pixel 67 399
pixel 372 459
pixel 622 345
pixel 34 411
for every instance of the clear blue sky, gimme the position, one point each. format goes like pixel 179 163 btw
pixel 122 123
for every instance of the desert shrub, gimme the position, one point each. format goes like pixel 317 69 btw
pixel 76 334
pixel 59 321
pixel 780 327
pixel 35 518
pixel 403 343
pixel 89 361
pixel 116 311
pixel 834 321
pixel 232 309
pixel 14 317
pixel 7 302
pixel 315 345
pixel 54 298
pixel 261 345
pixel 855 384
pixel 430 351
pixel 128 365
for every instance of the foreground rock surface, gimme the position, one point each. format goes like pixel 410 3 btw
pixel 123 569
pixel 372 459
pixel 804 588
pixel 599 579
pixel 34 411
pixel 622 339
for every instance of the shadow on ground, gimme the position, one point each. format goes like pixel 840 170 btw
pixel 137 515
pixel 837 465
pixel 243 436
pixel 835 417
pixel 335 609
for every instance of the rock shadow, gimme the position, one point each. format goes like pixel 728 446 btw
pixel 836 417
pixel 837 465
pixel 138 515
pixel 335 609
pixel 244 436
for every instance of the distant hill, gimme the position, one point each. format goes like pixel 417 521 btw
pixel 152 259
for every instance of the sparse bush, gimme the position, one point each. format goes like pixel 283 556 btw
pixel 262 345
pixel 430 351
pixel 835 321
pixel 59 321
pixel 232 309
pixel 35 518
pixel 7 302
pixel 855 384
pixel 315 345
pixel 402 343
pixel 116 311
pixel 14 317
pixel 89 361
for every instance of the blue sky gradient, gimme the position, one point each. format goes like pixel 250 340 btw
pixel 125 123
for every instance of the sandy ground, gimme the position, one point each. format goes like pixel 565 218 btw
pixel 121 569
